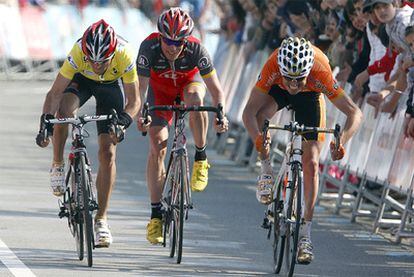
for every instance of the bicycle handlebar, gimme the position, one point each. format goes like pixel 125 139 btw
pixel 182 109
pixel 78 120
pixel 294 127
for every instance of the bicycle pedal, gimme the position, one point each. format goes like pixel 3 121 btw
pixel 63 213
pixel 266 224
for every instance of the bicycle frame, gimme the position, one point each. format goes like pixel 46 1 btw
pixel 79 200
pixel 176 195
pixel 285 218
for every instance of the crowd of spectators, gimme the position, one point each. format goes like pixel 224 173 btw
pixel 365 40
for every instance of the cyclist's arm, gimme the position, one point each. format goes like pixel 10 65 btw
pixel 259 107
pixel 133 98
pixel 353 116
pixel 143 87
pixel 214 87
pixel 51 104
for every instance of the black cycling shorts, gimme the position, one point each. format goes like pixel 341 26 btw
pixel 108 96
pixel 309 108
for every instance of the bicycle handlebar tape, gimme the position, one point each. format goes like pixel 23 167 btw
pixel 145 116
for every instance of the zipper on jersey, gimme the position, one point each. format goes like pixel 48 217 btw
pixel 172 65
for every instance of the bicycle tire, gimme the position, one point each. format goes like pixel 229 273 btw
pixel 296 209
pixel 78 216
pixel 87 209
pixel 169 227
pixel 279 236
pixel 181 172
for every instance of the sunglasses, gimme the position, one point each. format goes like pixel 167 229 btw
pixel 171 42
pixel 99 62
pixel 289 79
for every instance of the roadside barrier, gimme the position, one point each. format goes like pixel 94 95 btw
pixel 33 43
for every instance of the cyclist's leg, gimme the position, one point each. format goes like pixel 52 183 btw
pixel 194 94
pixel 73 97
pixel 310 111
pixel 108 96
pixel 158 134
pixel 266 178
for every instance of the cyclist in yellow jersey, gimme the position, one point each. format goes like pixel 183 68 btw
pixel 100 64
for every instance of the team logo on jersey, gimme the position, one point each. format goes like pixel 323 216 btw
pixel 172 75
pixel 72 62
pixel 335 86
pixel 129 68
pixel 143 61
pixel 203 63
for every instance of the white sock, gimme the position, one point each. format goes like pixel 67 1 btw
pixel 305 229
pixel 266 167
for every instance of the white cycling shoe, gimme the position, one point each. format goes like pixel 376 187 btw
pixel 57 179
pixel 264 188
pixel 103 236
pixel 305 254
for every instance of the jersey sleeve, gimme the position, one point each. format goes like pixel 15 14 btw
pixel 204 62
pixel 72 63
pixel 129 71
pixel 143 59
pixel 268 74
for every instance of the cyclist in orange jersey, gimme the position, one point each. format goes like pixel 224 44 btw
pixel 297 74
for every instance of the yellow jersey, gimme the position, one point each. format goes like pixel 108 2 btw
pixel 122 65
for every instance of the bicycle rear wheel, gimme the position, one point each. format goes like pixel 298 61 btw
pixel 87 208
pixel 279 235
pixel 294 215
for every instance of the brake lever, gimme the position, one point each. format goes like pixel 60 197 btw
pixel 145 113
pixel 337 136
pixel 220 116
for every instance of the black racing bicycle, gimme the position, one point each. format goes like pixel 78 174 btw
pixel 176 196
pixel 79 200
pixel 286 211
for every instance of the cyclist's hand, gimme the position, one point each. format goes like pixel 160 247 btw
pixel 143 124
pixel 337 154
pixel 45 131
pixel 223 127
pixel 117 133
pixel 263 144
pixel 124 119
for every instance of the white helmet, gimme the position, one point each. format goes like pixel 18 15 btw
pixel 295 57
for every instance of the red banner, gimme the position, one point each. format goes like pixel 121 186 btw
pixel 36 33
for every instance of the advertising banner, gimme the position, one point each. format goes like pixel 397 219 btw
pixel 36 33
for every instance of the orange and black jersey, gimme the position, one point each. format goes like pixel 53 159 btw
pixel 165 75
pixel 320 79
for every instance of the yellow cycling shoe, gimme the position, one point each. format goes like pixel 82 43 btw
pixel 154 231
pixel 199 177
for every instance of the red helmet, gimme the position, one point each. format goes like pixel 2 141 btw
pixel 99 41
pixel 175 24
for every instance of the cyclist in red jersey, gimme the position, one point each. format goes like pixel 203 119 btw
pixel 298 74
pixel 170 64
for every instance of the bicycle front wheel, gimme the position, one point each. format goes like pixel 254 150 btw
pixel 87 208
pixel 76 212
pixel 279 229
pixel 295 215
pixel 179 212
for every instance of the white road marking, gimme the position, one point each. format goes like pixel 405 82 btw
pixel 10 260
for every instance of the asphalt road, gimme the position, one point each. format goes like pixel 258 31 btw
pixel 222 237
